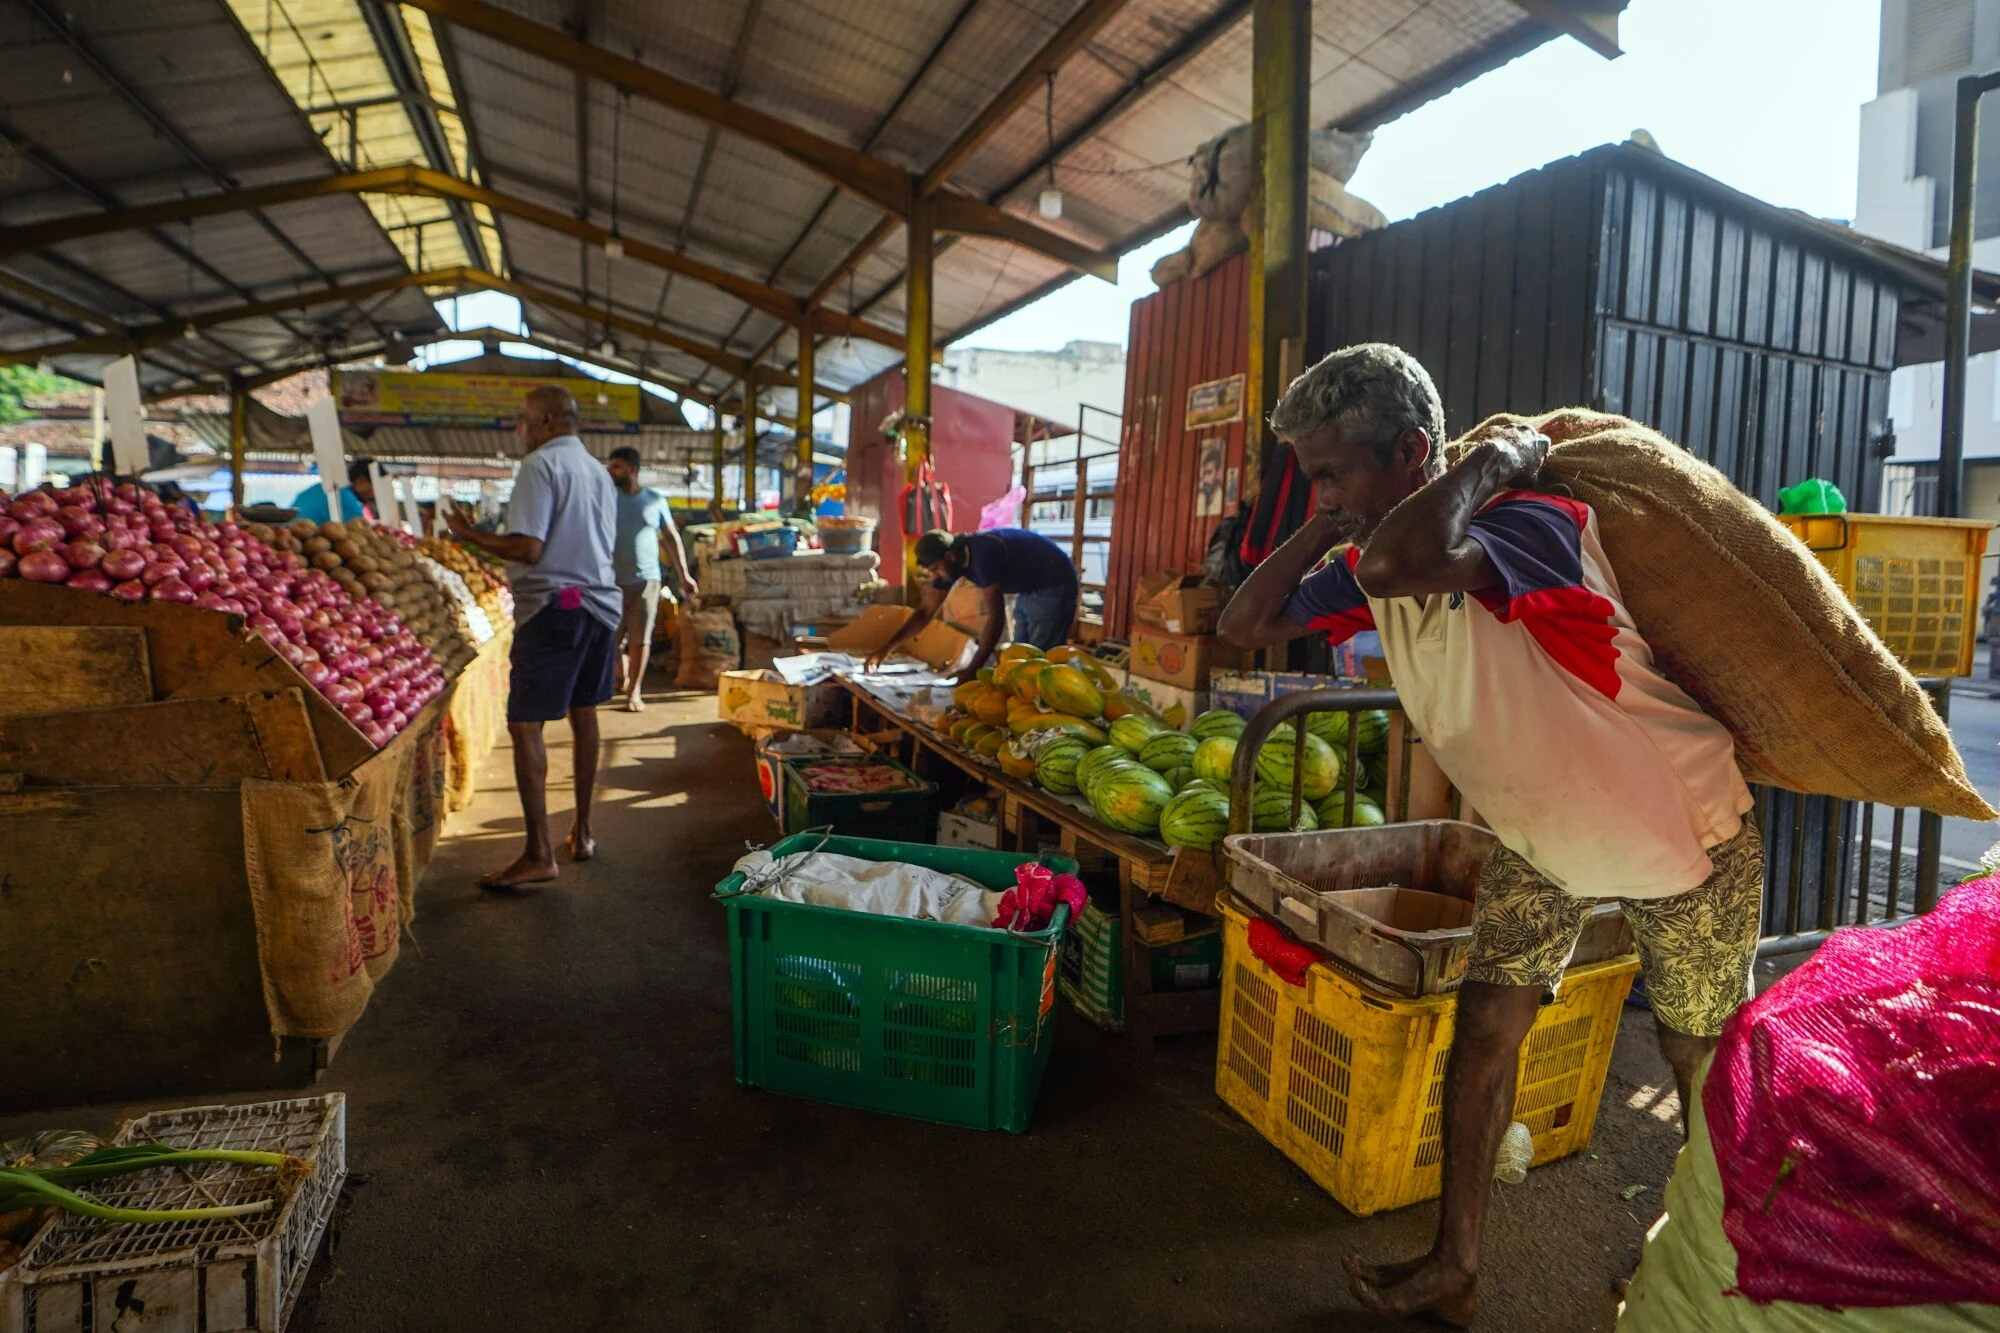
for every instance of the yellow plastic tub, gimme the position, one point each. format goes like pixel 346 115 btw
pixel 1349 1082
pixel 1914 580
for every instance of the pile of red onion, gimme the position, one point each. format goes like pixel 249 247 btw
pixel 126 543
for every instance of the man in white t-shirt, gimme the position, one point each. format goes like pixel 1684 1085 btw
pixel 1520 668
pixel 561 522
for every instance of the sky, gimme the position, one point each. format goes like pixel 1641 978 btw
pixel 1764 95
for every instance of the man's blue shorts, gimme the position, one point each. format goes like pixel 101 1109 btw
pixel 562 659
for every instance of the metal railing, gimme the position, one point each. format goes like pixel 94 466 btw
pixel 1824 867
pixel 1089 497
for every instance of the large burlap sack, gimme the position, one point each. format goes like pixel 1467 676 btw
pixel 1215 241
pixel 1742 617
pixel 707 645
pixel 324 862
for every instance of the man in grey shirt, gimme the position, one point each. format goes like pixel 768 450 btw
pixel 561 523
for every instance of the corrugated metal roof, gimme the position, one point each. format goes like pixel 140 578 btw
pixel 900 80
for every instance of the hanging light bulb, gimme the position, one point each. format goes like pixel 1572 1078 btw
pixel 190 332
pixel 607 348
pixel 614 248
pixel 1050 200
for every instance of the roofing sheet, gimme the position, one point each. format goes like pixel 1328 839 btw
pixel 352 84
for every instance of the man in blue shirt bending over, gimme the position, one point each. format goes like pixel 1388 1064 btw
pixel 357 497
pixel 1000 561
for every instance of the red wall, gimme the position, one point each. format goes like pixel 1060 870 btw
pixel 1181 336
pixel 972 451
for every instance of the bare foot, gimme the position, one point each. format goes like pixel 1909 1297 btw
pixel 580 845
pixel 1416 1286
pixel 524 871
pixel 634 704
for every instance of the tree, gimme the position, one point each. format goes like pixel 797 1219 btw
pixel 19 383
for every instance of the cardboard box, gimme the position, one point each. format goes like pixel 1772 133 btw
pixel 1181 659
pixel 774 745
pixel 955 830
pixel 1177 603
pixel 747 699
pixel 938 646
pixel 1246 692
pixel 1175 704
pixel 965 607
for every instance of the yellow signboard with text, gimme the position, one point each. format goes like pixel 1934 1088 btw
pixel 438 398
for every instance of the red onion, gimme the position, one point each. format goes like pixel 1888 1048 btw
pixel 158 572
pixel 8 527
pixel 78 521
pixel 131 590
pixel 172 590
pixel 199 577
pixel 37 534
pixel 44 566
pixel 83 554
pixel 123 564
pixel 91 580
pixel 7 562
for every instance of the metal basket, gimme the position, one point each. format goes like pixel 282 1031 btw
pixel 189 1277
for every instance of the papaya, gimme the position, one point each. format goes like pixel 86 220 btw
pixel 1024 723
pixel 1015 764
pixel 989 744
pixel 986 675
pixel 1015 652
pixel 1120 704
pixel 1028 680
pixel 961 695
pixel 991 707
pixel 1067 689
pixel 975 733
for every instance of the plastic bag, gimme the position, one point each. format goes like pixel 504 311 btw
pixel 1855 1111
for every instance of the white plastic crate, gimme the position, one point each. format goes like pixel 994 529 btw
pixel 220 1276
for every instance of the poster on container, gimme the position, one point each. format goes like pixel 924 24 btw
pixel 127 417
pixel 1215 403
pixel 323 420
pixel 1211 477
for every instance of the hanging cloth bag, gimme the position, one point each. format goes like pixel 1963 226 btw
pixel 926 503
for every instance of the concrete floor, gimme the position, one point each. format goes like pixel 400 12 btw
pixel 546 1135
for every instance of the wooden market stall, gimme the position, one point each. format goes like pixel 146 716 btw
pixel 206 866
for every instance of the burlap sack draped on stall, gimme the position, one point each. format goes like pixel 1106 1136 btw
pixel 477 718
pixel 1741 616
pixel 333 869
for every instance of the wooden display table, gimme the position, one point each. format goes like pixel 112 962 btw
pixel 1145 868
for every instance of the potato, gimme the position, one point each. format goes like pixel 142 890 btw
pixel 361 564
pixel 374 582
pixel 325 560
pixel 333 530
pixel 346 550
pixel 303 528
pixel 316 545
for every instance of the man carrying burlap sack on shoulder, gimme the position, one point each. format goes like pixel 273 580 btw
pixel 1520 667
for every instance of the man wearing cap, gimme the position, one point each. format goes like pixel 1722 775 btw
pixel 357 497
pixel 1000 562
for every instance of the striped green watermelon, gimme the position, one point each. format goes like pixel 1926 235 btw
pixel 1167 750
pixel 1271 811
pixel 1373 729
pixel 1331 811
pixel 1130 798
pixel 1087 783
pixel 1055 766
pixel 1210 784
pixel 1322 765
pixel 1097 758
pixel 1378 793
pixel 1216 722
pixel 1178 778
pixel 1197 817
pixel 1213 759
pixel 1132 731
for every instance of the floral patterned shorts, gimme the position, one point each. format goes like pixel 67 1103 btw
pixel 1697 947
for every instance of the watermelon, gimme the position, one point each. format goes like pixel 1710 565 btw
pixel 1322 765
pixel 1378 794
pixel 1213 759
pixel 1133 731
pixel 1211 785
pixel 1099 762
pixel 1373 729
pixel 1331 811
pixel 1197 817
pixel 1167 750
pixel 1055 766
pixel 1067 690
pixel 1216 722
pixel 1130 798
pixel 1177 778
pixel 1357 777
pixel 1271 811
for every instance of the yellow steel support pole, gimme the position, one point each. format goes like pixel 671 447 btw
pixel 720 495
pixel 239 431
pixel 749 420
pixel 803 468
pixel 916 433
pixel 1280 100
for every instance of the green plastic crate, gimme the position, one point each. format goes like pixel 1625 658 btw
pixel 917 1018
pixel 907 815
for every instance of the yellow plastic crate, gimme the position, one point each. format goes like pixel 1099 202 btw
pixel 1914 580
pixel 1349 1083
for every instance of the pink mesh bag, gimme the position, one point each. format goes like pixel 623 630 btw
pixel 1855 1111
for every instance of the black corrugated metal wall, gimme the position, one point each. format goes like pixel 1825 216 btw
pixel 1614 281
pixel 1622 281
